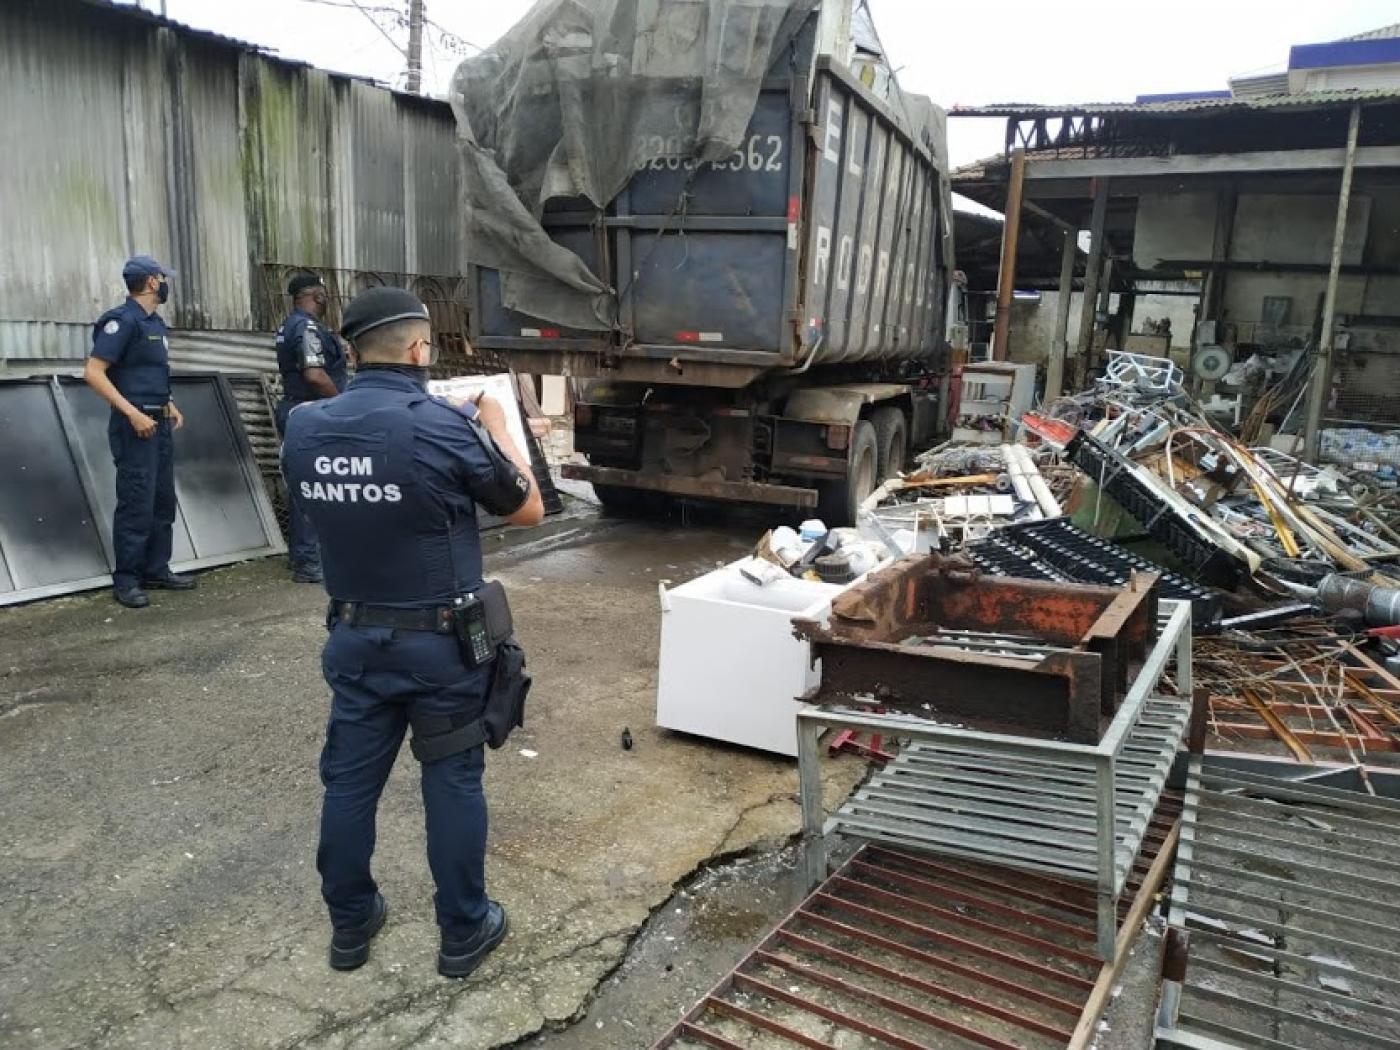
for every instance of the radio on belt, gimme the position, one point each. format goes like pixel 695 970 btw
pixel 469 619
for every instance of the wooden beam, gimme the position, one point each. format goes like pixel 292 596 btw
pixel 1322 367
pixel 1010 244
pixel 1094 269
pixel 1213 163
pixel 1040 213
pixel 1087 1027
pixel 1059 345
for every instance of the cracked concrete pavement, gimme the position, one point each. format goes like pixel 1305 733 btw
pixel 158 808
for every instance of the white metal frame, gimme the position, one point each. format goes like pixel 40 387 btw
pixel 1073 811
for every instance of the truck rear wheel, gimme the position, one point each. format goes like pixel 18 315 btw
pixel 892 441
pixel 837 501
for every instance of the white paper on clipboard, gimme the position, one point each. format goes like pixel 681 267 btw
pixel 501 387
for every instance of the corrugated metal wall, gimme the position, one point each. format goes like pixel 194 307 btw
pixel 127 136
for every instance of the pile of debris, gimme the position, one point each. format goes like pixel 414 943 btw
pixel 961 493
pixel 1302 690
pixel 1230 512
pixel 1294 569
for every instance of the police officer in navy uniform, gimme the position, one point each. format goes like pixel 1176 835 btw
pixel 313 367
pixel 392 478
pixel 130 368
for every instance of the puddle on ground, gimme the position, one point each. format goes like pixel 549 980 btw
pixel 721 924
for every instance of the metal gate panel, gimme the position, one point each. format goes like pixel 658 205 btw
pixel 215 486
pixel 48 533
pixel 57 486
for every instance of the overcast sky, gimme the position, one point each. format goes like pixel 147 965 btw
pixel 988 51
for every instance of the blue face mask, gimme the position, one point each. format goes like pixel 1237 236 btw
pixel 163 291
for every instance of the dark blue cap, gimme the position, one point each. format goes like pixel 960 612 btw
pixel 144 266
pixel 376 307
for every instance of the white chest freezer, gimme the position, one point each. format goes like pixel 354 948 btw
pixel 730 667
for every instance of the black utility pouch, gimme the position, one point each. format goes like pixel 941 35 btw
pixel 510 685
pixel 499 625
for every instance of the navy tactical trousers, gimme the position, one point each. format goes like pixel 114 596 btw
pixel 378 676
pixel 303 547
pixel 141 523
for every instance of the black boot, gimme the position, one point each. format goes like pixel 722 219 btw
pixel 172 581
pixel 132 597
pixel 350 947
pixel 460 958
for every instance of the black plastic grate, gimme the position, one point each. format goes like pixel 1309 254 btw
pixel 1054 549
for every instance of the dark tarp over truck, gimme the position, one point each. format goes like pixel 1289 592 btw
pixel 745 246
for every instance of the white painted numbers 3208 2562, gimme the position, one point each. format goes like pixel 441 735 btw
pixel 757 153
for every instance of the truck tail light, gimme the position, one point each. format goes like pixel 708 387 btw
pixel 838 437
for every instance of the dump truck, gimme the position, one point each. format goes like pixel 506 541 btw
pixel 782 314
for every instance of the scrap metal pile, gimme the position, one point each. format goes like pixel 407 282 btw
pixel 1228 511
pixel 1301 691
pixel 1294 569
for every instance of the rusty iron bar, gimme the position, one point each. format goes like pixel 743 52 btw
pixel 826 1013
pixel 1278 707
pixel 1018 888
pixel 757 1020
pixel 695 1031
pixel 1364 725
pixel 976 948
pixel 972 1002
pixel 908 951
pixel 1317 738
pixel 913 882
pixel 905 901
pixel 869 995
pixel 1277 726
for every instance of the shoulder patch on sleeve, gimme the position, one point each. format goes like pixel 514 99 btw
pixel 112 327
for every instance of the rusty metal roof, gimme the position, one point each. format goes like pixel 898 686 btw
pixel 1182 107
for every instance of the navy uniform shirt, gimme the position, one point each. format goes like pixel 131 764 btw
pixel 390 477
pixel 304 342
pixel 137 346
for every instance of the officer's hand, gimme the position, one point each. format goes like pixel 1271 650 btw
pixel 143 424
pixel 177 418
pixel 492 415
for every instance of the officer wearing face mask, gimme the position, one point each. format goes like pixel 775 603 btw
pixel 392 477
pixel 130 368
pixel 313 367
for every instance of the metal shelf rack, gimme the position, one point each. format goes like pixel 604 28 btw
pixel 1077 812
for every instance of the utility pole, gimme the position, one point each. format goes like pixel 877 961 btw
pixel 1321 382
pixel 415 46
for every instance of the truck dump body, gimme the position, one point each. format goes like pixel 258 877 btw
pixel 821 240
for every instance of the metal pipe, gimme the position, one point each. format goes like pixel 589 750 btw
pixel 1010 243
pixel 811 356
pixel 1322 373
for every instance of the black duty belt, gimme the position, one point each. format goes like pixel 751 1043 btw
pixel 357 614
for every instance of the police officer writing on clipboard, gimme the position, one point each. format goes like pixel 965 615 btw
pixel 391 478
pixel 130 368
pixel 312 364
